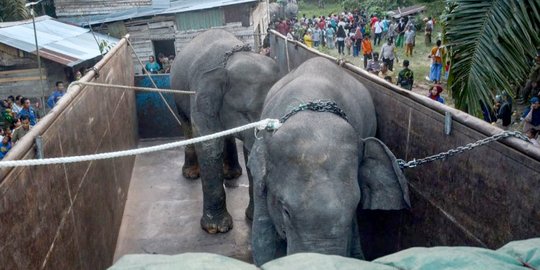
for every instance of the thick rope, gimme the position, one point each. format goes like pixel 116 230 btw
pixel 266 124
pixel 183 92
pixel 154 83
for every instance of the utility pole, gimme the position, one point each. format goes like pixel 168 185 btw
pixel 31 5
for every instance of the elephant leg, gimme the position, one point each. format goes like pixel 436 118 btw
pixel 215 217
pixel 205 119
pixel 231 166
pixel 190 170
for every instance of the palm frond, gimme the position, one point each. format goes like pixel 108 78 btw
pixel 13 10
pixel 492 44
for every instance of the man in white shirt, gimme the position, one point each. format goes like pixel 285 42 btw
pixel 378 32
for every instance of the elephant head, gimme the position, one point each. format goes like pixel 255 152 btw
pixel 308 183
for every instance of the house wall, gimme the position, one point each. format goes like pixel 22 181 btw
pixel 90 7
pixel 166 27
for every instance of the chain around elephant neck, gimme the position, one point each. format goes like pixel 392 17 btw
pixel 235 49
pixel 316 106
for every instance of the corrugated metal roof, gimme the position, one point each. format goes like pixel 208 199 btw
pixel 60 42
pixel 177 6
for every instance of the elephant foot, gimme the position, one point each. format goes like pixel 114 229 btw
pixel 213 224
pixel 231 172
pixel 191 172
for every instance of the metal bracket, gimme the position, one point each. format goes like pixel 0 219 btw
pixel 39 147
pixel 447 123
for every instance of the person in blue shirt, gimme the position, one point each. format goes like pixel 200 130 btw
pixel 152 66
pixel 56 95
pixel 5 146
pixel 27 110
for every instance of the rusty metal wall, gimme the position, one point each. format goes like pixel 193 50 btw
pixel 485 197
pixel 68 216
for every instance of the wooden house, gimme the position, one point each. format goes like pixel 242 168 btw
pixel 63 49
pixel 165 26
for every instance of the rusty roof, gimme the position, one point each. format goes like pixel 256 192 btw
pixel 59 42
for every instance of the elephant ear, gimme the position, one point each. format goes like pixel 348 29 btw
pixel 382 183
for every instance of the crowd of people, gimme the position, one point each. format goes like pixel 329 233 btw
pixel 374 39
pixel 18 116
pixel 162 65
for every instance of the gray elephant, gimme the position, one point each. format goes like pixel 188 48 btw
pixel 285 10
pixel 231 83
pixel 312 174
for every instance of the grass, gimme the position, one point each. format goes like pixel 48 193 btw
pixel 419 63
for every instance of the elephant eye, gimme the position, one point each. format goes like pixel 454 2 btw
pixel 286 213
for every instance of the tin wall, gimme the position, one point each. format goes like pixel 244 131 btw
pixel 485 197
pixel 154 118
pixel 68 216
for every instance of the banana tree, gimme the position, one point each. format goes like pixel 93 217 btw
pixel 491 47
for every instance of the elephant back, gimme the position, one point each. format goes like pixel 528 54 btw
pixel 321 79
pixel 205 52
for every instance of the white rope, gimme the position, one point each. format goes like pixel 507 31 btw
pixel 268 124
pixel 184 92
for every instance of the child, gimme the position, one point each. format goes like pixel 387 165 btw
pixel 435 93
pixel 446 70
pixel 5 146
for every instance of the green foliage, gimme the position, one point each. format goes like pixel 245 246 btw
pixel 13 10
pixel 378 7
pixel 491 44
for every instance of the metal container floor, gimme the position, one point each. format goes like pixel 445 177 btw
pixel 163 210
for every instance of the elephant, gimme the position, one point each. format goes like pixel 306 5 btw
pixel 231 83
pixel 315 172
pixel 286 10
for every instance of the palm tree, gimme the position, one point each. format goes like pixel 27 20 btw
pixel 13 10
pixel 492 44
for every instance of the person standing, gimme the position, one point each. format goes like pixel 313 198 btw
pixel 410 36
pixel 341 40
pixel 406 76
pixel 436 56
pixel 388 53
pixel 152 66
pixel 56 95
pixel 392 30
pixel 533 81
pixel 367 50
pixel 378 27
pixel 330 32
pixel 307 39
pixel 19 132
pixel 400 33
pixel 316 36
pixel 428 31
pixel 28 111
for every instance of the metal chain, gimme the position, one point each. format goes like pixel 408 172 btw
pixel 226 56
pixel 317 106
pixel 458 150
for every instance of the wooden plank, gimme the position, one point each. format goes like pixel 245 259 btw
pixel 9 80
pixel 33 70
